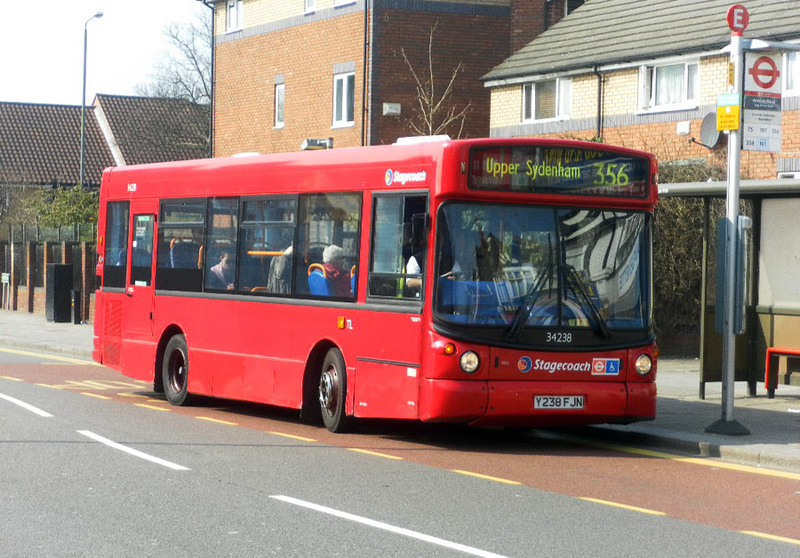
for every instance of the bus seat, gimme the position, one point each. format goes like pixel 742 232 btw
pixel 317 282
pixel 183 255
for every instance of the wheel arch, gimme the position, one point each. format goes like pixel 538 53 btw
pixel 168 333
pixel 309 410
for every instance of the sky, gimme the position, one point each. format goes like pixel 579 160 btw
pixel 42 46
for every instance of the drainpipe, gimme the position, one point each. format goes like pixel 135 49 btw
pixel 365 105
pixel 211 4
pixel 598 134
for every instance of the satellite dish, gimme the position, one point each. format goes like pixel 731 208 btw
pixel 709 135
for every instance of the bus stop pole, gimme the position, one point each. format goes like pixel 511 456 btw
pixel 727 425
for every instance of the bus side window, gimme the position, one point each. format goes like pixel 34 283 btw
pixel 397 269
pixel 266 251
pixel 115 256
pixel 328 230
pixel 180 245
pixel 221 241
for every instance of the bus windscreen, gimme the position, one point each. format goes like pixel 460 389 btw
pixel 576 171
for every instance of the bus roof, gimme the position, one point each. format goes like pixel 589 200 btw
pixel 399 166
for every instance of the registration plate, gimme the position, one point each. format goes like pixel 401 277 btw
pixel 558 402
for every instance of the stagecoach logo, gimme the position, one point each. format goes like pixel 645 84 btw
pixel 397 177
pixel 526 364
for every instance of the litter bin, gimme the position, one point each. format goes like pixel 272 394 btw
pixel 57 300
pixel 76 306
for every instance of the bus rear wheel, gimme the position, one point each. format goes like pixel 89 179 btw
pixel 332 391
pixel 175 371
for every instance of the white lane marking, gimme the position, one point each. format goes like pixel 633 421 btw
pixel 391 528
pixel 131 451
pixel 27 406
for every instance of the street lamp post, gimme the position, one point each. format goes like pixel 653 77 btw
pixel 83 100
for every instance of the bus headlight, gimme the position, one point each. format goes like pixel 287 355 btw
pixel 643 365
pixel 469 361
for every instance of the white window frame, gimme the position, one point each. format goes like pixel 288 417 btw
pixel 791 73
pixel 234 14
pixel 688 95
pixel 338 3
pixel 309 6
pixel 563 100
pixel 340 99
pixel 280 105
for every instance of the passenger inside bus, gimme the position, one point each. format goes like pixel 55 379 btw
pixel 221 275
pixel 337 277
pixel 280 273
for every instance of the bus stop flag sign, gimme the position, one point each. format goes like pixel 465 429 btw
pixel 761 126
pixel 738 18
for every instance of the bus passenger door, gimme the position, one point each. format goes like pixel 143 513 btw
pixel 138 321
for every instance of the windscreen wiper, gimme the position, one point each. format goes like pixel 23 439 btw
pixel 527 304
pixel 575 282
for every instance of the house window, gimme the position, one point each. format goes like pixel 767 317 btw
pixel 280 96
pixel 791 81
pixel 545 100
pixel 344 86
pixel 310 6
pixel 338 3
pixel 233 20
pixel 669 86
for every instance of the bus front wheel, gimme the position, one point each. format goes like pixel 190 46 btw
pixel 175 371
pixel 332 391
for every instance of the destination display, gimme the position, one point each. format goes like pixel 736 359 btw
pixel 559 170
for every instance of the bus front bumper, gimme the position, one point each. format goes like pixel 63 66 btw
pixel 512 403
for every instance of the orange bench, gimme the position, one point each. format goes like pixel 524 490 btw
pixel 772 364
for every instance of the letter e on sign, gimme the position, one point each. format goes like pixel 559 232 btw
pixel 738 18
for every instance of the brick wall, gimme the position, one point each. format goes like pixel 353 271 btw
pixel 528 19
pixel 305 56
pixel 482 42
pixel 304 52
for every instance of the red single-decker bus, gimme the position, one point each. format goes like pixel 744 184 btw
pixel 489 282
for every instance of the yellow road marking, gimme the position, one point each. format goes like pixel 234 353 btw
pixel 152 407
pixel 293 437
pixel 704 461
pixel 12 378
pixel 132 395
pixel 623 506
pixel 95 395
pixel 218 421
pixel 50 357
pixel 486 477
pixel 772 537
pixel 376 454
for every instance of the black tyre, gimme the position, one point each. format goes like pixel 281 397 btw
pixel 175 371
pixel 332 391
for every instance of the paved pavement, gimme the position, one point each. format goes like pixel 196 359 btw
pixel 681 418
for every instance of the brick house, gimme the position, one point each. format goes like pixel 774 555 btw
pixel 40 148
pixel 287 70
pixel 643 74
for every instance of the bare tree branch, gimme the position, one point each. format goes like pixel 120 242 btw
pixel 185 71
pixel 436 113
